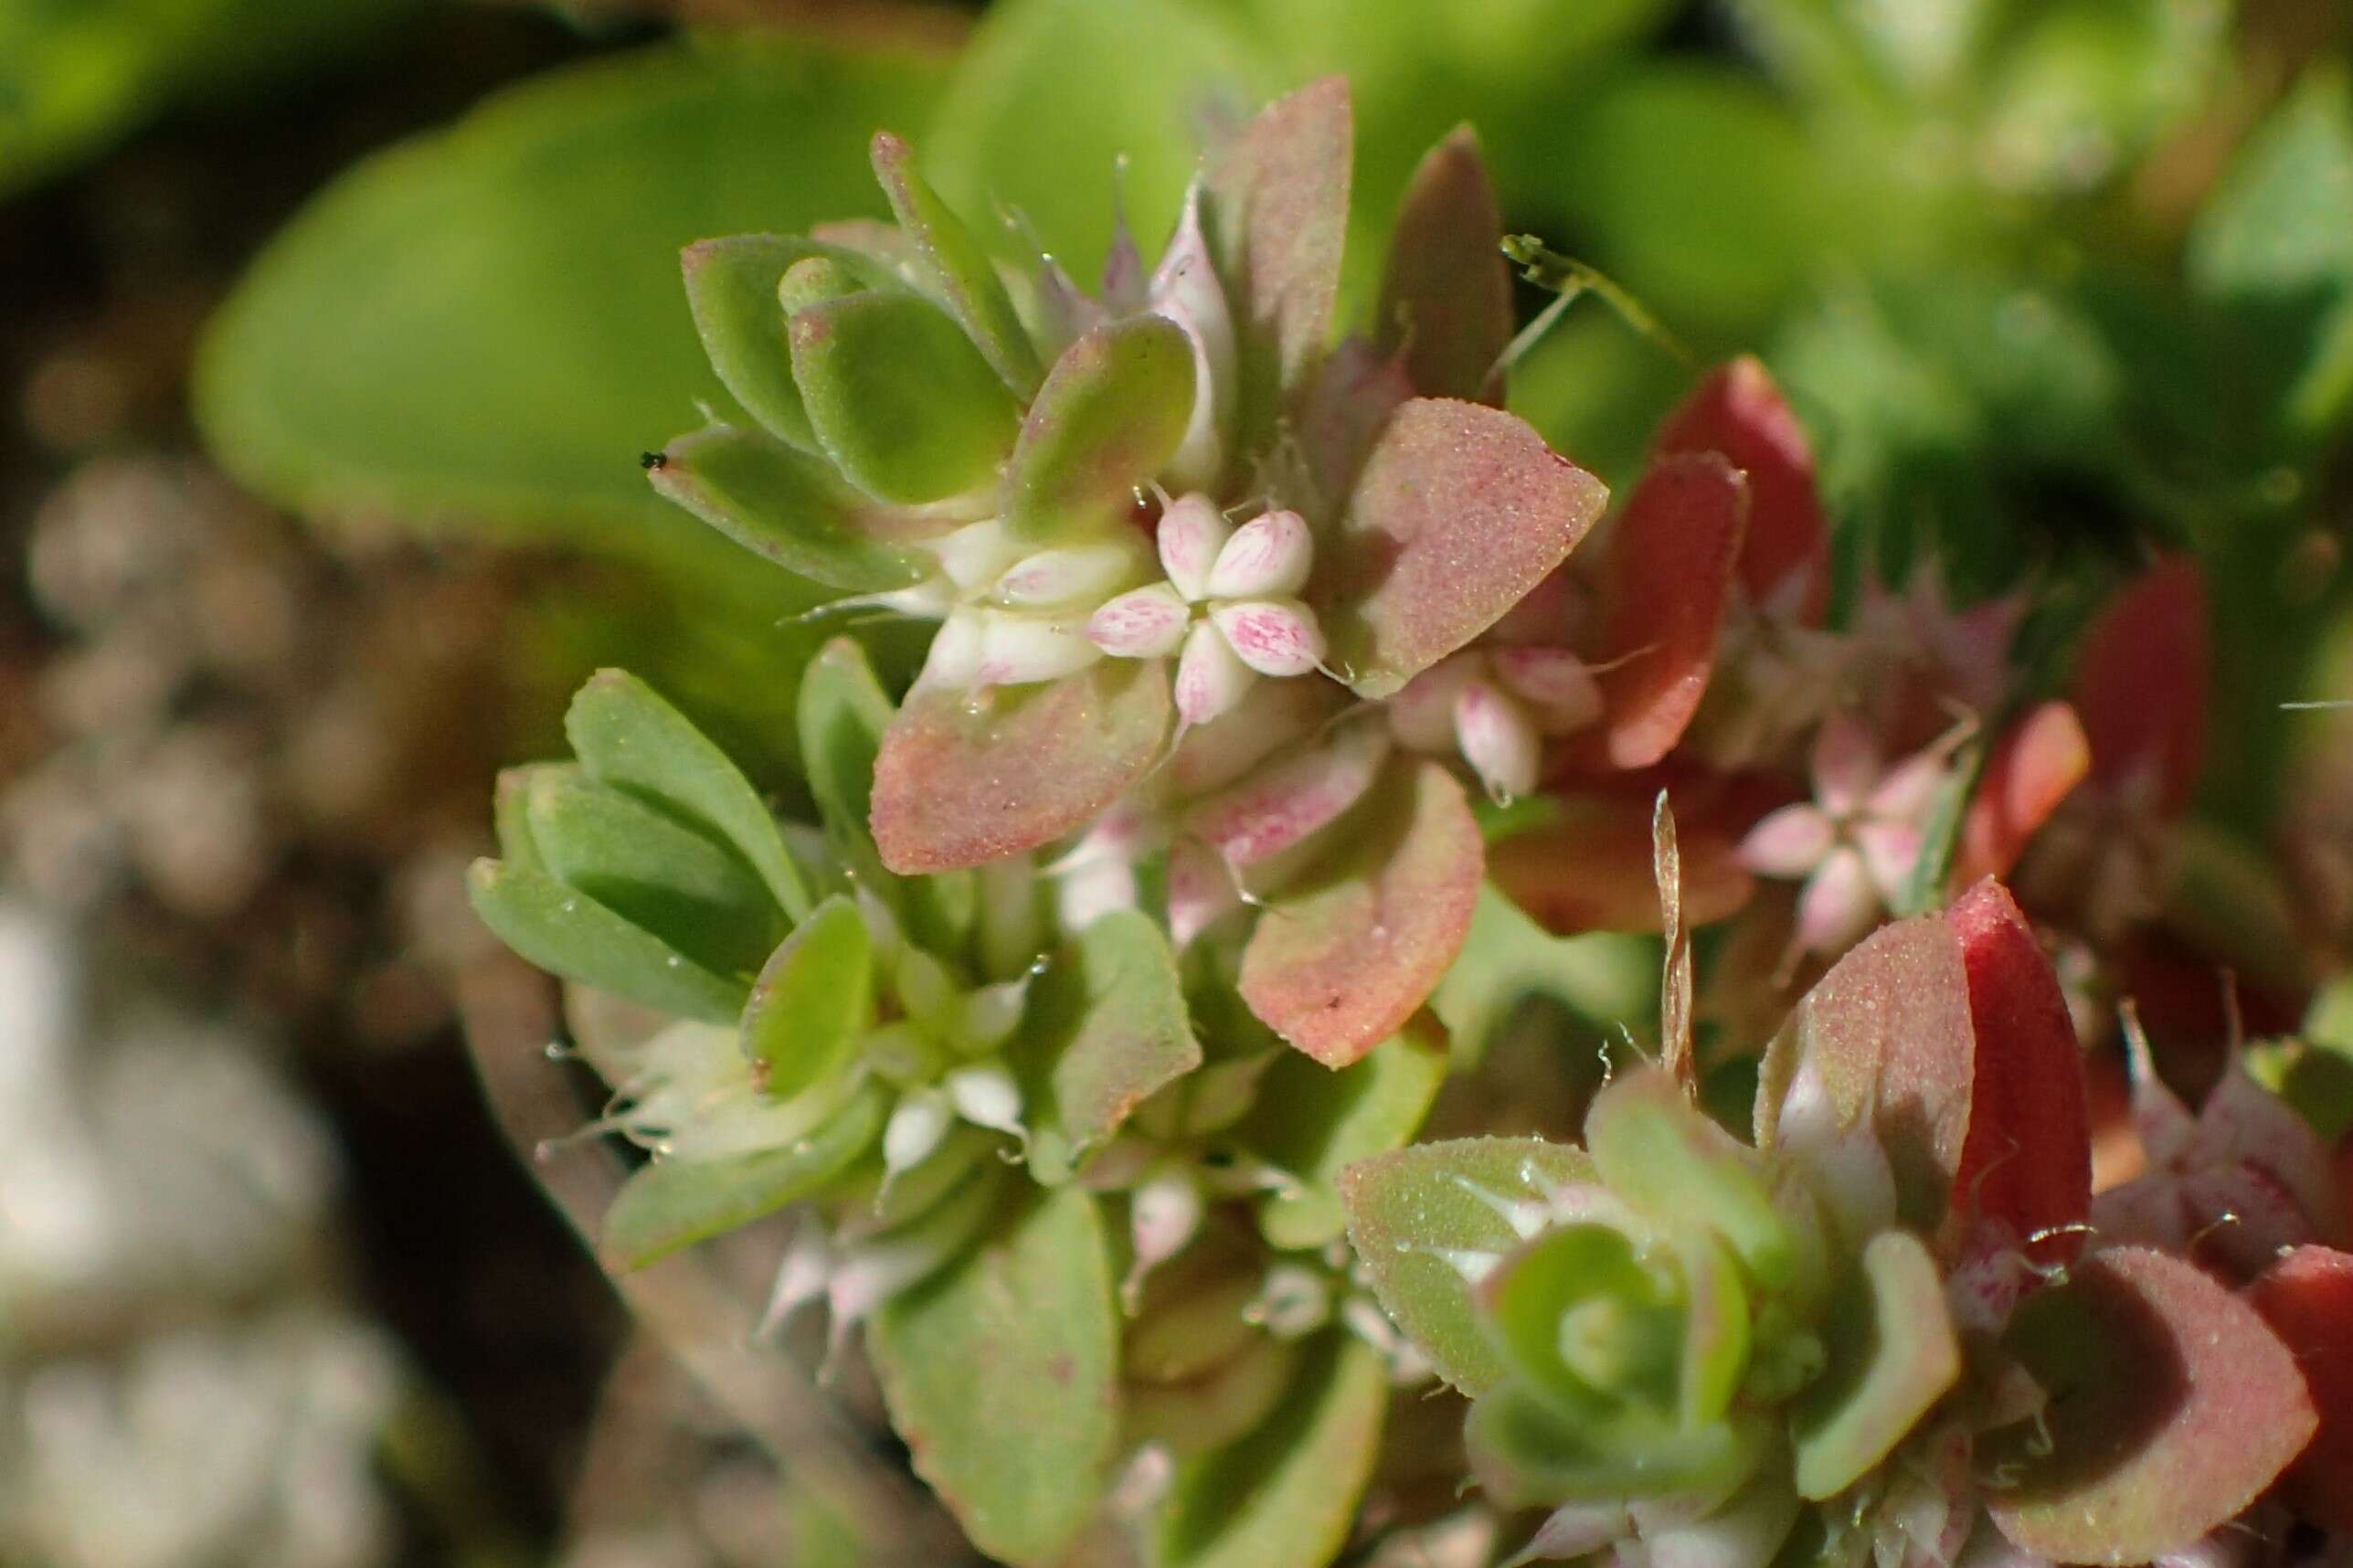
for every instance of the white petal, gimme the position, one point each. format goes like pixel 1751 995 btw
pixel 1210 678
pixel 1017 650
pixel 954 659
pixel 1087 892
pixel 1191 534
pixel 1273 636
pixel 1890 850
pixel 1068 574
pixel 1789 842
pixel 1162 1215
pixel 977 554
pixel 1267 558
pixel 1498 740
pixel 1840 903
pixel 1845 764
pixel 1142 623
pixel 916 1126
pixel 986 1095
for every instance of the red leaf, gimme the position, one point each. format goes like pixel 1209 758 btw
pixel 2172 1408
pixel 1887 1035
pixel 2141 683
pixel 2027 1161
pixel 2307 1298
pixel 1446 296
pixel 1339 963
pixel 1591 868
pixel 2037 763
pixel 962 780
pixel 1739 412
pixel 1460 511
pixel 1277 211
pixel 1664 592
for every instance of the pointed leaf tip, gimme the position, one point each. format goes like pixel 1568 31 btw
pixel 1446 294
pixel 1459 511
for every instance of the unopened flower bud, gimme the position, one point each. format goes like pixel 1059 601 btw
pixel 1017 650
pixel 916 1126
pixel 1273 636
pixel 1421 714
pixel 1210 678
pixel 986 1095
pixel 1554 681
pixel 1498 740
pixel 1185 288
pixel 1142 623
pixel 954 661
pixel 1191 532
pixel 1071 573
pixel 1267 558
pixel 976 555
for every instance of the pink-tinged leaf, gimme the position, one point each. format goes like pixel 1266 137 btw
pixel 2307 1298
pixel 1446 294
pixel 1273 714
pixel 1278 212
pixel 1347 403
pixel 961 781
pixel 1460 511
pixel 1342 961
pixel 1590 868
pixel 1739 412
pixel 2037 764
pixel 2141 683
pixel 1664 592
pixel 2172 1407
pixel 1279 806
pixel 2027 1162
pixel 1885 1035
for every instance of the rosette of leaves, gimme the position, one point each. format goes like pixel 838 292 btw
pixel 1874 1328
pixel 1160 513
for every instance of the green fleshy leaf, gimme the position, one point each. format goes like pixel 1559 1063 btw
pixel 1106 1029
pixel 1001 1374
pixel 1632 1323
pixel 673 1203
pixel 1109 417
pixel 1526 1451
pixel 1222 1402
pixel 511 812
pixel 1285 1496
pixel 957 267
pixel 1346 956
pixel 1421 1217
pixel 1658 1151
pixel 1892 1354
pixel 955 787
pixel 898 397
pixel 1314 1123
pixel 812 1001
pixel 571 935
pixel 1459 511
pixel 843 715
pixel 779 503
pixel 1604 976
pixel 485 323
pixel 731 287
pixel 627 736
pixel 660 875
pixel 1054 101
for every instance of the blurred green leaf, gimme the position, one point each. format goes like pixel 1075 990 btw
pixel 487 323
pixel 673 1204
pixel 1001 1374
pixel 1286 1495
pixel 75 74
pixel 782 504
pixel 1608 976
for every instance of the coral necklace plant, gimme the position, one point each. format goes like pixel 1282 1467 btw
pixel 1071 1045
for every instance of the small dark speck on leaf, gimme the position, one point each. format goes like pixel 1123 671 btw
pixel 652 461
